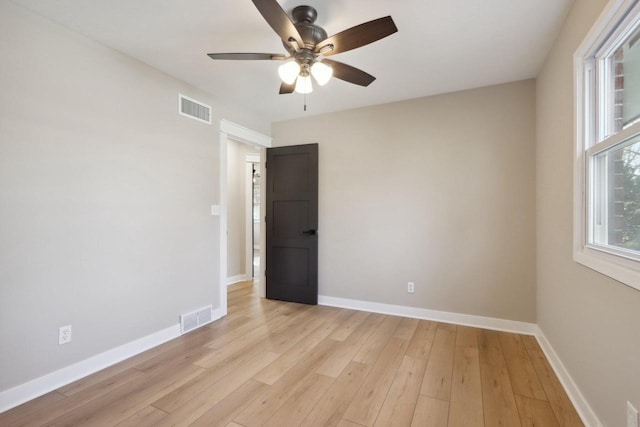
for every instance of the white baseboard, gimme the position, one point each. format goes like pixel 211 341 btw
pixel 583 408
pixel 218 313
pixel 439 316
pixel 236 279
pixel 30 390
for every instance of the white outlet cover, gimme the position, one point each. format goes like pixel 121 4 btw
pixel 411 287
pixel 215 210
pixel 64 334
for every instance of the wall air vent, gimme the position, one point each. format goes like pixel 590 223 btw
pixel 194 109
pixel 195 319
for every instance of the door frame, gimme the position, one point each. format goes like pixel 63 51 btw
pixel 230 130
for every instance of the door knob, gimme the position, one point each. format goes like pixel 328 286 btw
pixel 311 232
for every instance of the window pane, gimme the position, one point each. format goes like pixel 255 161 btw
pixel 623 88
pixel 616 196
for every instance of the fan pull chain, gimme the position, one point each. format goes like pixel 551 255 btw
pixel 305 102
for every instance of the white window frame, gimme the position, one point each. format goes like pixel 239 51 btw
pixel 621 265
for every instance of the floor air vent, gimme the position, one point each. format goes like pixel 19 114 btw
pixel 194 109
pixel 195 319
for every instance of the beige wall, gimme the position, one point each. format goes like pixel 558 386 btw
pixel 237 208
pixel 438 191
pixel 593 322
pixel 105 195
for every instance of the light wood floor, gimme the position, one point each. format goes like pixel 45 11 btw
pixel 282 364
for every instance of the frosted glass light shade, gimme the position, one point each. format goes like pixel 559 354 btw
pixel 289 71
pixel 303 85
pixel 321 72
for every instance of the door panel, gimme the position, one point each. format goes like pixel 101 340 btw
pixel 289 217
pixel 292 221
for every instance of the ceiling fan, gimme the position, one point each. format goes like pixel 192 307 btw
pixel 307 45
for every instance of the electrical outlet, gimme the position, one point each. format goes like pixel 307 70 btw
pixel 632 415
pixel 410 287
pixel 64 334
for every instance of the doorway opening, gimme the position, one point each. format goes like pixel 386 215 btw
pixel 242 161
pixel 232 133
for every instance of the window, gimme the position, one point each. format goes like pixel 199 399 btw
pixel 607 163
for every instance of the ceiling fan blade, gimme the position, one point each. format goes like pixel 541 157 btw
pixel 286 88
pixel 357 36
pixel 247 56
pixel 349 74
pixel 279 21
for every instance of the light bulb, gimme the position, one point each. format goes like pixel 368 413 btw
pixel 303 85
pixel 321 72
pixel 289 71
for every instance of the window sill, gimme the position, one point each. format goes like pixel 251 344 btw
pixel 615 267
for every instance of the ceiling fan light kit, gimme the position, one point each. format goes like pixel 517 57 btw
pixel 303 84
pixel 289 72
pixel 321 72
pixel 308 45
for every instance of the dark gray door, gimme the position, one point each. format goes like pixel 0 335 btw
pixel 292 223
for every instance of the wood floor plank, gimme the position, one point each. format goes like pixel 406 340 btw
pixel 524 379
pixel 199 405
pixel 268 403
pixel 255 322
pixel 343 331
pixel 298 406
pixel 223 412
pixel 345 423
pixel 146 417
pixel 377 341
pixel 189 407
pixel 114 408
pixel 175 357
pixel 193 408
pixel 430 412
pixel 499 404
pixel 331 407
pixel 45 414
pixel 465 406
pixel 288 335
pixel 535 413
pixel 466 337
pixel 558 399
pixel 275 370
pixel 490 349
pixel 97 378
pixel 368 401
pixel 250 338
pixel 400 403
pixel 181 395
pixel 406 328
pixel 422 340
pixel 437 377
pixel 346 350
pixel 29 410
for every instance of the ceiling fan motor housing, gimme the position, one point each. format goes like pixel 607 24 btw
pixel 304 18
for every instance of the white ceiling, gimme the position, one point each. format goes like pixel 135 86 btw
pixel 441 45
